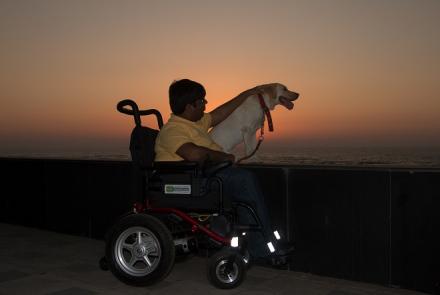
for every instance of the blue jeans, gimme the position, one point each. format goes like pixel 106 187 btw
pixel 241 185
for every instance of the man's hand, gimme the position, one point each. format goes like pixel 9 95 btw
pixel 230 158
pixel 260 89
pixel 264 88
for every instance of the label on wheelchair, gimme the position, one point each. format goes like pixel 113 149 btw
pixel 177 189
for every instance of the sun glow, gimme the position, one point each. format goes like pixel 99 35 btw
pixel 64 68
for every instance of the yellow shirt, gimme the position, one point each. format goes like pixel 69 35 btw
pixel 178 131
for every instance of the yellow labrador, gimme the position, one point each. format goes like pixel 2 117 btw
pixel 242 124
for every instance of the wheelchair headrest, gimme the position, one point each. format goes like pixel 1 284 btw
pixel 142 139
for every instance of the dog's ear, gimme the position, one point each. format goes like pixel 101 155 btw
pixel 271 91
pixel 272 95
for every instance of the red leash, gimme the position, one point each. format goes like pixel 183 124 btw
pixel 269 122
pixel 266 111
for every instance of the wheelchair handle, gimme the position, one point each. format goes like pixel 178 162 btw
pixel 123 105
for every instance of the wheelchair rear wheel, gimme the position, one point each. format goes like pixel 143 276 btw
pixel 226 269
pixel 140 250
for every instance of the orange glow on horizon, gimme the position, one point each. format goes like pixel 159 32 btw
pixel 64 68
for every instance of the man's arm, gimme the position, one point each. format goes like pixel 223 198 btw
pixel 194 153
pixel 223 111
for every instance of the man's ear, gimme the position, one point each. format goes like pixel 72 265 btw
pixel 189 107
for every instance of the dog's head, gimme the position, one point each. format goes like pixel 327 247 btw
pixel 276 94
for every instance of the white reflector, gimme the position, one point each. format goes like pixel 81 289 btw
pixel 271 247
pixel 277 235
pixel 244 233
pixel 234 242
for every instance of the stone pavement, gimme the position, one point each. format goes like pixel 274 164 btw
pixel 41 262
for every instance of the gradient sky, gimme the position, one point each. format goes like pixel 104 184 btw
pixel 367 71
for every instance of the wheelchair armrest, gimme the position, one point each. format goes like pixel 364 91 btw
pixel 175 166
pixel 208 169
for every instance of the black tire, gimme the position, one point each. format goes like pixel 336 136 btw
pixel 140 261
pixel 226 269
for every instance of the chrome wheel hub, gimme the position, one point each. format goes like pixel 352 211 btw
pixel 225 274
pixel 137 251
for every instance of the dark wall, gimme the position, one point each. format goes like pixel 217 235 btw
pixel 74 197
pixel 372 225
pixel 341 223
pixel 415 230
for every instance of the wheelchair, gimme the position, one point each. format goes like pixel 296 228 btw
pixel 183 210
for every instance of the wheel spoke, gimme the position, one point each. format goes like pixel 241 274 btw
pixel 132 261
pixel 139 237
pixel 151 248
pixel 128 247
pixel 147 260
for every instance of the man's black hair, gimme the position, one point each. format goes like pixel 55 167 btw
pixel 184 92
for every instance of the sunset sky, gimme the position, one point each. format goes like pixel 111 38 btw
pixel 367 71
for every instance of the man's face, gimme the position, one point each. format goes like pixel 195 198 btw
pixel 199 107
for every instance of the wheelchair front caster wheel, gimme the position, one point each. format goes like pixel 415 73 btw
pixel 226 269
pixel 103 265
pixel 140 250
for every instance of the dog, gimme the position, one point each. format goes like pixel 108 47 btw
pixel 241 125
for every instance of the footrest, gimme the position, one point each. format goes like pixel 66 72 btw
pixel 279 262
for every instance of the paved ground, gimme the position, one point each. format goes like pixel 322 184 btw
pixel 41 262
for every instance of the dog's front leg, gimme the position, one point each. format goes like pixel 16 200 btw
pixel 250 143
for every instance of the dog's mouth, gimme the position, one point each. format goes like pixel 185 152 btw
pixel 286 102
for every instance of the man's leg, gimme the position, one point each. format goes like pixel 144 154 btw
pixel 257 244
pixel 242 186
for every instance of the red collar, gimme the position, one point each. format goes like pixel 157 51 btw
pixel 266 111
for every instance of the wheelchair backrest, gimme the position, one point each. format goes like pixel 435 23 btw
pixel 143 138
pixel 142 146
pixel 203 194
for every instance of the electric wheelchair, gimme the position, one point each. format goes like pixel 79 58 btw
pixel 183 210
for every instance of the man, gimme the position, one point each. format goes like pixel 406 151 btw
pixel 185 137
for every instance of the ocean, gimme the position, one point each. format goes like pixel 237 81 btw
pixel 358 157
pixel 313 156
